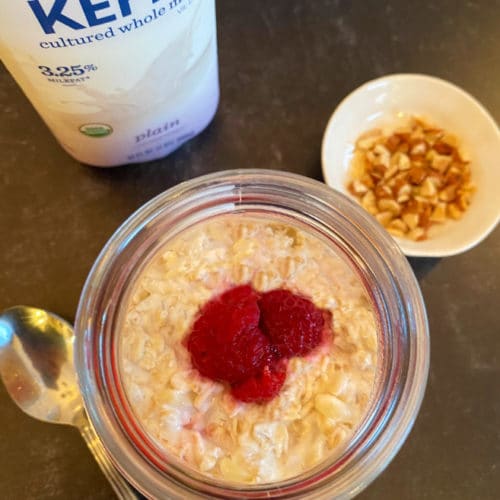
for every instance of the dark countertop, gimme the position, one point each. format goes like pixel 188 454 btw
pixel 284 66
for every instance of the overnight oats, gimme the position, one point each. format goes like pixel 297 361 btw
pixel 251 334
pixel 248 349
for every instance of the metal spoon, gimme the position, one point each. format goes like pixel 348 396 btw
pixel 36 366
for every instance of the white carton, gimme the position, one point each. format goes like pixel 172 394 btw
pixel 117 81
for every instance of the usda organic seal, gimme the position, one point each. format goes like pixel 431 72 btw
pixel 96 129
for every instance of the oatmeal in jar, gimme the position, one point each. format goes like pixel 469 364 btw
pixel 323 393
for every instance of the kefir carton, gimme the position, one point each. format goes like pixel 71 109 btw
pixel 116 81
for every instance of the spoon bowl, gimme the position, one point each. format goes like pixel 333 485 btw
pixel 36 364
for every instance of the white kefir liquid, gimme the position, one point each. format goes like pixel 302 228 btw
pixel 117 81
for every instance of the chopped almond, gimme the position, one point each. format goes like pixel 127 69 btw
pixel 393 142
pixel 441 162
pixel 357 187
pixel 384 218
pixel 403 193
pixel 399 225
pixel 389 205
pixel 411 220
pixel 449 193
pixel 416 234
pixel 416 175
pixel 403 161
pixel 454 211
pixel 369 202
pixel 439 214
pixel 396 232
pixel 428 189
pixel 443 148
pixel 383 191
pixel 420 148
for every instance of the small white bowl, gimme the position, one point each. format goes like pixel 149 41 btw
pixel 388 101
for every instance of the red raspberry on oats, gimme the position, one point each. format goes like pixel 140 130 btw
pixel 225 342
pixel 243 338
pixel 293 323
pixel 263 387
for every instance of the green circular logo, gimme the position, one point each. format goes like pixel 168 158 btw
pixel 96 129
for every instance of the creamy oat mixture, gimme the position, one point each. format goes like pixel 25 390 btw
pixel 196 419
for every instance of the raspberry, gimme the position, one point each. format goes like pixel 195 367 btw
pixel 262 387
pixel 293 323
pixel 244 338
pixel 225 342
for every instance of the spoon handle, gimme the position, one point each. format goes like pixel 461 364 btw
pixel 123 489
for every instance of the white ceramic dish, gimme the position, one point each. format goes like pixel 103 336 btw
pixel 389 100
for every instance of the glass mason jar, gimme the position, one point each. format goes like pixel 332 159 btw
pixel 403 341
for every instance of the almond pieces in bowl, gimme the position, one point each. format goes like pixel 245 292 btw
pixel 413 177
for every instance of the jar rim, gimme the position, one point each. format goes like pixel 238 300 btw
pixel 374 251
